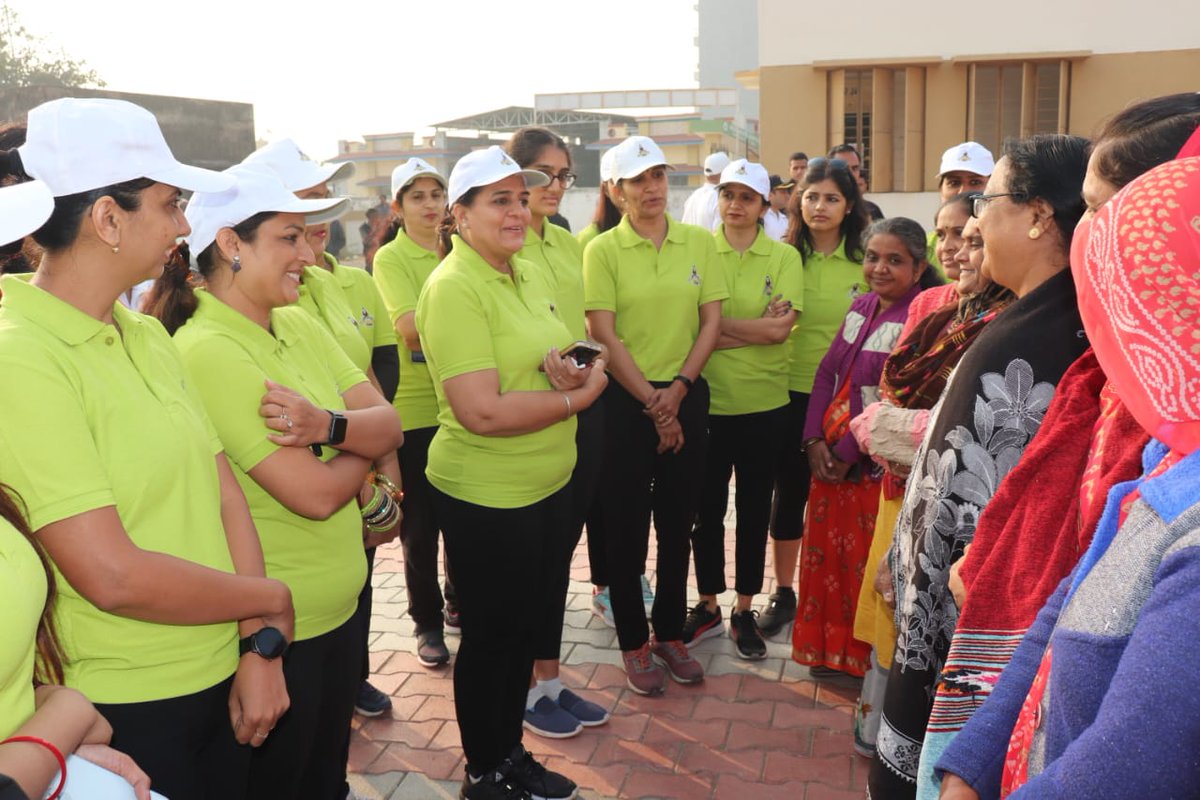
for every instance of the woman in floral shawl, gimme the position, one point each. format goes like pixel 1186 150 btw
pixel 992 407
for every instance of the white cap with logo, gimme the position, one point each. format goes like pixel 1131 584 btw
pixel 968 157
pixel 634 156
pixel 24 207
pixel 716 163
pixel 485 167
pixel 412 169
pixel 606 165
pixel 77 145
pixel 254 191
pixel 297 171
pixel 751 175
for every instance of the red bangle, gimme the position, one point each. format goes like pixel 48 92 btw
pixel 58 756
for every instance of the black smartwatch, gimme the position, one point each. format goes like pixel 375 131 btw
pixel 685 380
pixel 337 428
pixel 269 643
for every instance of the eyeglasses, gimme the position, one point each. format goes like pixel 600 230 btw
pixel 566 179
pixel 980 202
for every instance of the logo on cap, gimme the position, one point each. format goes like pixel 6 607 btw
pixel 741 170
pixel 642 152
pixel 964 156
pixel 505 160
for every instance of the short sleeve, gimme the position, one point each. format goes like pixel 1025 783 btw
pixel 454 329
pixel 600 275
pixel 231 386
pixel 712 278
pixel 344 371
pixel 396 282
pixel 791 277
pixel 49 454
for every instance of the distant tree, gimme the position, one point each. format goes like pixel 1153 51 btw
pixel 27 60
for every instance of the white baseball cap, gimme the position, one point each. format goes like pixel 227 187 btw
pixel 748 174
pixel 254 191
pixel 297 171
pixel 412 169
pixel 485 167
pixel 606 166
pixel 634 156
pixel 716 163
pixel 24 207
pixel 968 157
pixel 75 145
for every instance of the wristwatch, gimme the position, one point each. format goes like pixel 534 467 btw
pixel 268 642
pixel 685 380
pixel 337 428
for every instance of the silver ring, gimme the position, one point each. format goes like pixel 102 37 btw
pixel 286 419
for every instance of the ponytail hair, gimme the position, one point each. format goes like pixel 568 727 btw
pixel 48 665
pixel 172 299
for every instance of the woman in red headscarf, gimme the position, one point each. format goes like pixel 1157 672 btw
pixel 1121 626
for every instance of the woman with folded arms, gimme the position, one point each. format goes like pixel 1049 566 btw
pixel 301 453
pixel 500 462
pixel 149 524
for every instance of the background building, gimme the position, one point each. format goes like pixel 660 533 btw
pixel 906 82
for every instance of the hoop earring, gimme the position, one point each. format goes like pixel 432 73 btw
pixel 236 266
pixel 1035 232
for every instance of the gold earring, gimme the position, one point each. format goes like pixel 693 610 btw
pixel 1035 232
pixel 116 249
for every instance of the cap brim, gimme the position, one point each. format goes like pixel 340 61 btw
pixel 534 179
pixel 643 169
pixel 194 179
pixel 437 176
pixel 24 207
pixel 754 189
pixel 338 172
pixel 315 211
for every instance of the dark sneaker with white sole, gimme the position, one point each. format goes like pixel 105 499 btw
pixel 495 785
pixel 702 624
pixel 549 719
pixel 431 648
pixel 743 629
pixel 371 702
pixel 541 783
pixel 781 609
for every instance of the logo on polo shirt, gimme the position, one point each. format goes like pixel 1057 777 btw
pixel 768 287
pixel 368 319
pixel 353 320
pixel 694 279
pixel 856 290
pixel 642 152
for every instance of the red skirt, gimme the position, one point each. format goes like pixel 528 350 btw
pixel 838 526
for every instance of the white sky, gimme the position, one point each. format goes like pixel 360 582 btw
pixel 323 71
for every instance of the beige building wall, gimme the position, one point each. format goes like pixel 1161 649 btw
pixel 1101 85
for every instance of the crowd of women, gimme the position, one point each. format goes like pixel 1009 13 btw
pixel 981 492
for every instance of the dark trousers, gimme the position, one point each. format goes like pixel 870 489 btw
pixel 585 481
pixel 419 535
pixel 749 445
pixel 793 477
pixel 185 744
pixel 639 483
pixel 305 756
pixel 589 444
pixel 501 558
pixel 363 612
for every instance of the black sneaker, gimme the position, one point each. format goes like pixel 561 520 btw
pixel 431 648
pixel 743 629
pixel 451 618
pixel 702 624
pixel 781 609
pixel 494 785
pixel 541 783
pixel 371 702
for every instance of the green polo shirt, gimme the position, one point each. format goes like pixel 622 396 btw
pixel 471 318
pixel 103 415
pixel 229 357
pixel 587 234
pixel 401 268
pixel 830 283
pixel 365 303
pixel 22 596
pixel 746 380
pixel 322 296
pixel 655 294
pixel 560 254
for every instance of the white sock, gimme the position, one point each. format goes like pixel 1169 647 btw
pixel 534 695
pixel 551 688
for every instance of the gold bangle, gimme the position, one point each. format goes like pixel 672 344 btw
pixel 388 485
pixel 567 398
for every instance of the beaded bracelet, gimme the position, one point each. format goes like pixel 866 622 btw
pixel 58 756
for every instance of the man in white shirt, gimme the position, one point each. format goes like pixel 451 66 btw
pixel 775 222
pixel 701 207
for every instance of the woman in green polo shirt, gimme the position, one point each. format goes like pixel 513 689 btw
pixel 551 710
pixel 124 479
pixel 828 219
pixel 500 461
pixel 300 452
pixel 401 268
pixel 653 292
pixel 748 378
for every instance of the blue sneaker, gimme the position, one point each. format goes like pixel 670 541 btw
pixel 602 606
pixel 588 713
pixel 647 596
pixel 549 719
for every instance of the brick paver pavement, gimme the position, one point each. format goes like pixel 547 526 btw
pixel 753 730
